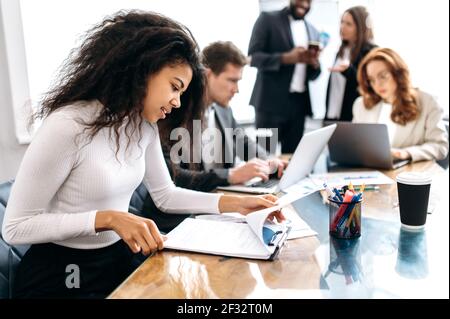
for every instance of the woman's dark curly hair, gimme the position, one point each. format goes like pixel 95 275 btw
pixel 114 64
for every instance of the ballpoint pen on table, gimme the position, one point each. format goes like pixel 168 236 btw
pixel 368 188
pixel 359 177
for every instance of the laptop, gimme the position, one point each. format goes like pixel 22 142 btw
pixel 301 164
pixel 362 145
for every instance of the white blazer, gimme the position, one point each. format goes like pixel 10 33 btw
pixel 424 138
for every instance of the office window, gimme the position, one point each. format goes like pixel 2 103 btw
pixel 52 28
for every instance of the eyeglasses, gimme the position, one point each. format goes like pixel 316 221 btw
pixel 381 78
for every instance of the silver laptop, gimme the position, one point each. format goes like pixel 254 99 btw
pixel 362 145
pixel 300 165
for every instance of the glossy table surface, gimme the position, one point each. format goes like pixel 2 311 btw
pixel 385 262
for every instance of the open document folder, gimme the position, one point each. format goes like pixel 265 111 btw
pixel 257 238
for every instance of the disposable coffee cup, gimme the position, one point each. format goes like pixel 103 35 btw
pixel 413 194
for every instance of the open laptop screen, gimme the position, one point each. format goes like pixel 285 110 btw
pixel 361 145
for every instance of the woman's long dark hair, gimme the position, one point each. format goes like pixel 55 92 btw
pixel 114 64
pixel 364 33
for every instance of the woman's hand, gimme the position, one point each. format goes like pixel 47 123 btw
pixel 400 154
pixel 140 234
pixel 248 204
pixel 339 68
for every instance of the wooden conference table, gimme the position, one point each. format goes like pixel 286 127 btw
pixel 385 262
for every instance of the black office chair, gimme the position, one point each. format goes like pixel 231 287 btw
pixel 10 256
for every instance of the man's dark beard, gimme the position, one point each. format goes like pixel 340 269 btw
pixel 294 14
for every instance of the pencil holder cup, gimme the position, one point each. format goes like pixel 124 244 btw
pixel 345 218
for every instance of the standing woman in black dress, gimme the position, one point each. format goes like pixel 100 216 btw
pixel 356 34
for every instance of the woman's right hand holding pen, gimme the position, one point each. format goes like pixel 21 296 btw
pixel 140 234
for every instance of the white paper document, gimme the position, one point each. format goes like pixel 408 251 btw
pixel 299 228
pixel 299 190
pixel 356 177
pixel 256 239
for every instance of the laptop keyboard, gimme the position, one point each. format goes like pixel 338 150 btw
pixel 397 163
pixel 267 184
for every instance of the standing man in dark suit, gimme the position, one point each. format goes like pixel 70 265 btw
pixel 279 48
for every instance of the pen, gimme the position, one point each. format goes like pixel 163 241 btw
pixel 367 188
pixel 339 196
pixel 350 218
pixel 329 192
pixel 355 199
pixel 363 187
pixel 359 177
pixel 342 208
pixel 349 211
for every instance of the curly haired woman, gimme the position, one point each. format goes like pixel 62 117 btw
pixel 97 143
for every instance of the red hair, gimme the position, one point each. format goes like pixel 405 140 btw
pixel 405 106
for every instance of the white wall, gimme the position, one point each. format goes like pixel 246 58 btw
pixel 11 152
pixel 419 32
pixel 53 27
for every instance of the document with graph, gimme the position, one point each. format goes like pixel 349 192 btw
pixel 255 237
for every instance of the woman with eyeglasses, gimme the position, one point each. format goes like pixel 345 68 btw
pixel 413 117
pixel 357 36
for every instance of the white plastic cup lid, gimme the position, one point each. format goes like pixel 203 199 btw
pixel 414 178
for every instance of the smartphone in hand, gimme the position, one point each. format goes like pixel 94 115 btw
pixel 314 46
